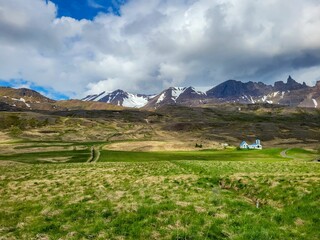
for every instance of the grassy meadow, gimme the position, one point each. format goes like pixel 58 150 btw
pixel 208 194
pixel 94 171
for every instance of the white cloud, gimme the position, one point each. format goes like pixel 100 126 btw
pixel 154 44
pixel 94 4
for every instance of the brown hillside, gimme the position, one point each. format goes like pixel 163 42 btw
pixel 81 105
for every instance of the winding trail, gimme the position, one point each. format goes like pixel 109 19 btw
pixel 95 154
pixel 284 153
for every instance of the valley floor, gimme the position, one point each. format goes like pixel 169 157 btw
pixel 225 194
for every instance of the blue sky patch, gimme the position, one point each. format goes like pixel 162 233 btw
pixel 87 9
pixel 48 92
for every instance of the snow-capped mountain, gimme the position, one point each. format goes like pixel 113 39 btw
pixel 175 95
pixel 120 98
pixel 290 93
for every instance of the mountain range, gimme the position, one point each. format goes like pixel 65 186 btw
pixel 21 99
pixel 290 93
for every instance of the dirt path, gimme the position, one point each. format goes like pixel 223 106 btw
pixel 284 153
pixel 95 154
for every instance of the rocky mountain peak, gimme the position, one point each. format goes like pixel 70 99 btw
pixel 290 80
pixel 234 88
pixel 289 86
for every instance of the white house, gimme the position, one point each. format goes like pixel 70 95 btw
pixel 256 145
pixel 244 145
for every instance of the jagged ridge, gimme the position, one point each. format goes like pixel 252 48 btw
pixel 290 93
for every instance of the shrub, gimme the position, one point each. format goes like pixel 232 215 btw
pixel 198 145
pixel 15 131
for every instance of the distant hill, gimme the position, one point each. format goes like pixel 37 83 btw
pixel 27 94
pixel 12 99
pixel 24 98
pixel 81 105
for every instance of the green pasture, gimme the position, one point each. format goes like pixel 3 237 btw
pixel 35 152
pixel 228 194
pixel 207 155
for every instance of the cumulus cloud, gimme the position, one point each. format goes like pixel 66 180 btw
pixel 156 44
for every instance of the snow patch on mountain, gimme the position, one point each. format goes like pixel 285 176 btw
pixel 101 95
pixel 198 91
pixel 315 103
pixel 134 101
pixel 161 98
pixel 176 92
pixel 120 98
pixel 89 98
pixel 249 99
pixel 152 96
pixel 21 100
pixel 264 98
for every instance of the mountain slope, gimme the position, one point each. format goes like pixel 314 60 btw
pixel 27 94
pixel 87 105
pixel 120 98
pixel 24 98
pixel 232 89
pixel 290 93
pixel 312 99
pixel 175 95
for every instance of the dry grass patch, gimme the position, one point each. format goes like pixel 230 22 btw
pixel 168 143
pixel 149 146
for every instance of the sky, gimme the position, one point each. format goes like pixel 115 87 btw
pixel 71 48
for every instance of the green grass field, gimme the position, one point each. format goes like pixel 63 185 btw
pixel 226 194
pixel 208 155
pixel 38 152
